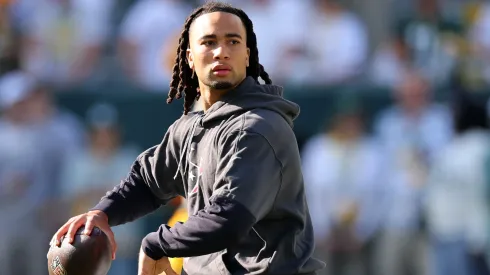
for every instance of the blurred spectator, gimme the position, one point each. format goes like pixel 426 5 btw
pixel 391 61
pixel 63 39
pixel 432 40
pixel 281 28
pixel 92 172
pixel 8 39
pixel 413 132
pixel 343 177
pixel 337 44
pixel 457 206
pixel 27 103
pixel 149 41
pixel 34 140
pixel 480 45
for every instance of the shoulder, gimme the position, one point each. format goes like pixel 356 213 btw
pixel 174 135
pixel 388 115
pixel 266 123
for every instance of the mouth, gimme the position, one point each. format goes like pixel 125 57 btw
pixel 221 70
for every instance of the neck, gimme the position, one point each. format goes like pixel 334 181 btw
pixel 414 111
pixel 103 151
pixel 210 96
pixel 343 137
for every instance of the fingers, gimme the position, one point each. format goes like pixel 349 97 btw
pixel 114 247
pixel 146 265
pixel 72 229
pixel 100 220
pixel 163 267
pixel 61 232
pixel 89 226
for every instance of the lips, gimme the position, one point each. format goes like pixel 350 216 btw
pixel 221 70
pixel 217 68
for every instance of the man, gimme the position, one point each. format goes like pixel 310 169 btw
pixel 411 132
pixel 35 138
pixel 237 163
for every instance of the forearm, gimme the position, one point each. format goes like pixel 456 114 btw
pixel 129 200
pixel 212 229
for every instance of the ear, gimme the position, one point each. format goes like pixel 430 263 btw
pixel 190 59
pixel 248 57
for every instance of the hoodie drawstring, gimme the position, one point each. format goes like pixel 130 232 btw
pixel 185 150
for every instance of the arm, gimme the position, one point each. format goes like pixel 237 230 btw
pixel 150 183
pixel 248 178
pixel 131 199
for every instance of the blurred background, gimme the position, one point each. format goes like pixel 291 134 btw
pixel 393 129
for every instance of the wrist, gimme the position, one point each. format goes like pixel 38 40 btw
pixel 151 246
pixel 100 213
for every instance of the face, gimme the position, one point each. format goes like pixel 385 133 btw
pixel 106 138
pixel 218 50
pixel 349 125
pixel 413 92
pixel 32 109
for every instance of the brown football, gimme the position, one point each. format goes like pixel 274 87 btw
pixel 87 255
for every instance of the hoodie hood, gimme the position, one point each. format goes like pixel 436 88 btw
pixel 250 95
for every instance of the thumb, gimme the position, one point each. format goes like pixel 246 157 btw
pixel 112 241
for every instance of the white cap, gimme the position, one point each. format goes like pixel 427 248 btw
pixel 15 87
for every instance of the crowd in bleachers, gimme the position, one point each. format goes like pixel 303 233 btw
pixel 68 42
pixel 409 194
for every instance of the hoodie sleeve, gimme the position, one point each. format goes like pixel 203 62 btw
pixel 149 184
pixel 248 178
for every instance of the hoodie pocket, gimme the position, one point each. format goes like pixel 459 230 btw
pixel 251 254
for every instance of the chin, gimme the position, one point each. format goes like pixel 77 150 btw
pixel 221 84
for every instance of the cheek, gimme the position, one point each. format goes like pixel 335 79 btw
pixel 202 59
pixel 242 58
pixel 202 54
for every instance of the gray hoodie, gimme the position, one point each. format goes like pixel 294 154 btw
pixel 238 166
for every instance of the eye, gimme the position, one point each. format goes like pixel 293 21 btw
pixel 234 42
pixel 208 43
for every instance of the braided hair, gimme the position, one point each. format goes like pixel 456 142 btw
pixel 183 79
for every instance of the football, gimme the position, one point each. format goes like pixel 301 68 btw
pixel 87 255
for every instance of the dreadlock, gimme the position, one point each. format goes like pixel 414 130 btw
pixel 183 79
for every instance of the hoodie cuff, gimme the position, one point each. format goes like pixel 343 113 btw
pixel 151 247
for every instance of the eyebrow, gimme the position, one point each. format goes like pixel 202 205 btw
pixel 228 35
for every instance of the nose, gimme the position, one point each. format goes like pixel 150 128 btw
pixel 221 52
